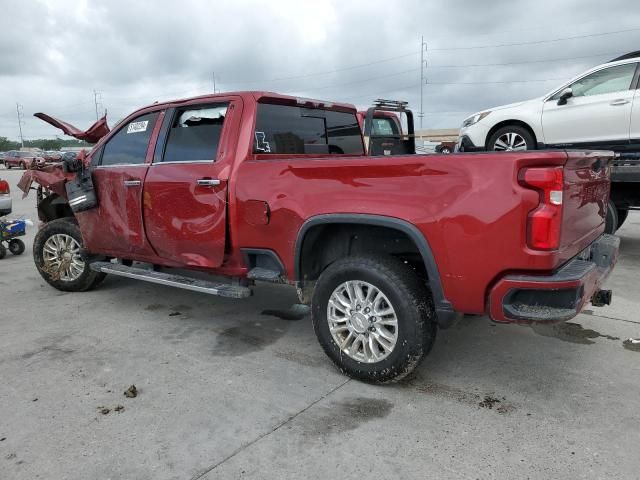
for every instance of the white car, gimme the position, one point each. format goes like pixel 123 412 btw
pixel 599 109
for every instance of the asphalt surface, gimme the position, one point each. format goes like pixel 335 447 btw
pixel 226 389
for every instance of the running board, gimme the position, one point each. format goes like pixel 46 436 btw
pixel 171 280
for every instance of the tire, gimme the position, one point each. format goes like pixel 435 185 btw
pixel 8 166
pixel 79 276
pixel 3 251
pixel 611 221
pixel 16 246
pixel 622 216
pixel 23 166
pixel 504 133
pixel 407 296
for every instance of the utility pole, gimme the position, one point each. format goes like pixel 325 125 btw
pixel 423 81
pixel 20 122
pixel 214 82
pixel 97 99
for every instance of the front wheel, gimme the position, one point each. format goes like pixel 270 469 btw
pixel 511 138
pixel 60 258
pixel 373 317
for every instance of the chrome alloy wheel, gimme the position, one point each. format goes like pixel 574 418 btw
pixel 61 255
pixel 510 142
pixel 362 321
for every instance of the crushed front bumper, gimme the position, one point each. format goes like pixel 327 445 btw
pixel 557 297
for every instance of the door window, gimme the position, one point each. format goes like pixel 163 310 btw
pixel 607 80
pixel 195 134
pixel 129 145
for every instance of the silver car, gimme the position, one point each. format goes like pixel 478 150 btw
pixel 5 198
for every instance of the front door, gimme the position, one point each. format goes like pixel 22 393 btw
pixel 598 113
pixel 185 191
pixel 115 227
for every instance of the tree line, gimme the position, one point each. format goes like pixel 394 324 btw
pixel 42 144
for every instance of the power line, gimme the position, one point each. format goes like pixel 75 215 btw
pixel 497 81
pixel 522 62
pixel 535 42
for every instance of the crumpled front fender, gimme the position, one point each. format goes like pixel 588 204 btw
pixel 50 177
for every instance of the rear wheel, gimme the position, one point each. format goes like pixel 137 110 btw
pixel 3 251
pixel 611 221
pixel 23 166
pixel 373 317
pixel 60 258
pixel 511 138
pixel 622 216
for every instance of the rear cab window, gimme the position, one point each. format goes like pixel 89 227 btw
pixel 287 129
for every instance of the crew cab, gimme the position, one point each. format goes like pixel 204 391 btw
pixel 247 186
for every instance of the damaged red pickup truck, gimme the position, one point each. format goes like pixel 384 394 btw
pixel 256 186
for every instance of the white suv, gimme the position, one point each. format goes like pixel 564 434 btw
pixel 597 109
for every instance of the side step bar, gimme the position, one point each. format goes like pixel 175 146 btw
pixel 171 280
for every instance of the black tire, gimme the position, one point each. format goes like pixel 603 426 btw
pixel 611 221
pixel 523 132
pixel 410 298
pixel 16 246
pixel 8 166
pixel 3 251
pixel 622 216
pixel 87 280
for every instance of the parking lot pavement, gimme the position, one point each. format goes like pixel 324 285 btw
pixel 228 390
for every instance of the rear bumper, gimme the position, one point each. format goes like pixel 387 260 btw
pixel 557 297
pixel 5 205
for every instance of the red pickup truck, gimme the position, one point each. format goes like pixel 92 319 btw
pixel 385 249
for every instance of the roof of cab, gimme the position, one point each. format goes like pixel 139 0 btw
pixel 264 95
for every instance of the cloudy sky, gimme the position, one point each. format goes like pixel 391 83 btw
pixel 55 53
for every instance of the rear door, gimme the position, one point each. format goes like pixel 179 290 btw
pixel 597 115
pixel 116 226
pixel 185 191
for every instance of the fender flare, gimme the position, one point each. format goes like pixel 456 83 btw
pixel 443 307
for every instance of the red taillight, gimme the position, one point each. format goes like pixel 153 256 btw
pixel 545 222
pixel 4 187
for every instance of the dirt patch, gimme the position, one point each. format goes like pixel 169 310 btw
pixel 570 332
pixel 293 314
pixel 632 344
pixel 52 352
pixel 181 307
pixel 302 358
pixel 243 339
pixel 458 395
pixel 154 307
pixel 131 392
pixel 345 415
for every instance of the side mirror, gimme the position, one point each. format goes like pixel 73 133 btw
pixel 566 93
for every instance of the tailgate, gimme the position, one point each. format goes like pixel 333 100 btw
pixel 586 193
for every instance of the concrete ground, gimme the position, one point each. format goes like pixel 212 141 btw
pixel 228 390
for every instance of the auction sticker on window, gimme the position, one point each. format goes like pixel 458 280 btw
pixel 135 127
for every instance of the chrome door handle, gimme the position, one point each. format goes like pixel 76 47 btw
pixel 620 101
pixel 132 183
pixel 208 182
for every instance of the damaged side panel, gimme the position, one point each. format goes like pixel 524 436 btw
pixel 92 135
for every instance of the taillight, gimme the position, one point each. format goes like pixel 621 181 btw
pixel 4 187
pixel 544 223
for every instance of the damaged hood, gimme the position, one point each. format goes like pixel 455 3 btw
pixel 92 135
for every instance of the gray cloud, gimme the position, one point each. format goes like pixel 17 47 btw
pixel 53 54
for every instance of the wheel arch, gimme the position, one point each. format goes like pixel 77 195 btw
pixel 332 229
pixel 52 207
pixel 512 121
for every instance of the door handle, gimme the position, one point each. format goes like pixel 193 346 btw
pixel 207 182
pixel 620 101
pixel 132 183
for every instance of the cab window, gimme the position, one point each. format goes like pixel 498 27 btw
pixel 129 145
pixel 284 129
pixel 195 133
pixel 607 80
